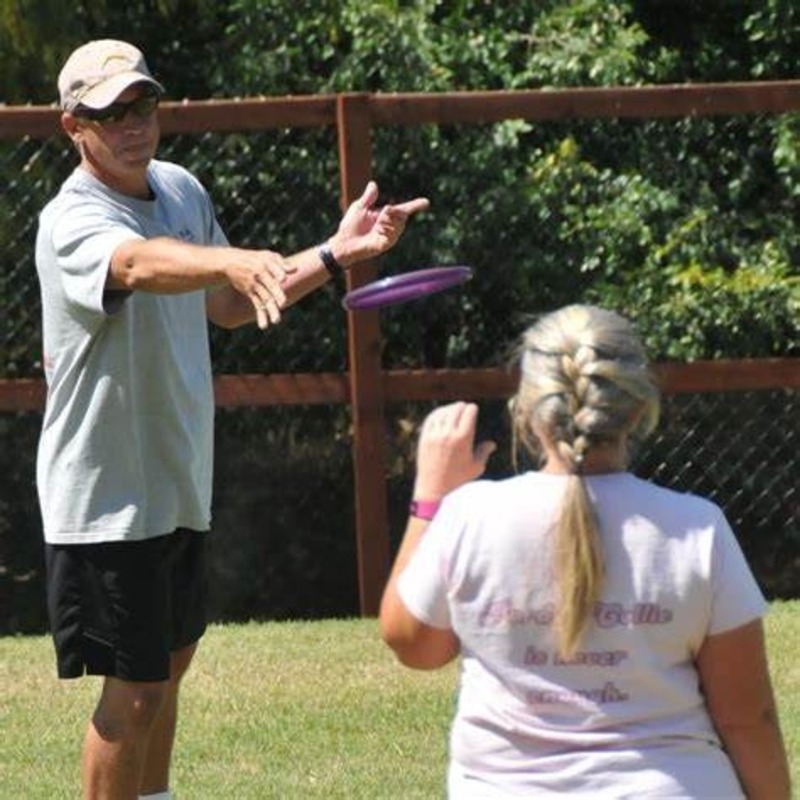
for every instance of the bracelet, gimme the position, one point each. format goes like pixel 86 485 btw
pixel 335 269
pixel 424 509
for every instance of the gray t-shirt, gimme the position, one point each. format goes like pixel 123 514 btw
pixel 126 446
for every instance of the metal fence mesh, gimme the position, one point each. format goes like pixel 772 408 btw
pixel 284 495
pixel 737 449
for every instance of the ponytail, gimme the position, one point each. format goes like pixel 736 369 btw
pixel 579 567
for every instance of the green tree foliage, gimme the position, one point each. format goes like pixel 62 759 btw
pixel 30 53
pixel 670 220
pixel 36 36
pixel 722 40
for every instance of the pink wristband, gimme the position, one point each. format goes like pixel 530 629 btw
pixel 424 509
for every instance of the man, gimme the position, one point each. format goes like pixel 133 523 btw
pixel 132 262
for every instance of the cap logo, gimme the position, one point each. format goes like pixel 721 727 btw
pixel 126 62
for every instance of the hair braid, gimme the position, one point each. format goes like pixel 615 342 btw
pixel 584 381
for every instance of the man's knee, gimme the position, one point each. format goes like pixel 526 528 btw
pixel 127 709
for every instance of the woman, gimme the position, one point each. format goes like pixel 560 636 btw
pixel 609 629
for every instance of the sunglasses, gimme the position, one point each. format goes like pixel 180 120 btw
pixel 141 108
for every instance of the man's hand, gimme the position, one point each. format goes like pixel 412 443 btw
pixel 366 232
pixel 259 275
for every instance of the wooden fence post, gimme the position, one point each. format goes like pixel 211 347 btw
pixel 354 126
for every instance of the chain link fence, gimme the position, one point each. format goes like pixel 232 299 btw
pixel 737 449
pixel 284 520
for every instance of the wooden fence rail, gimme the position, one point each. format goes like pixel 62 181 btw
pixel 411 386
pixel 366 387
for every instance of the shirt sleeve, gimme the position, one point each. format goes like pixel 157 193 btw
pixel 216 236
pixel 737 598
pixel 84 240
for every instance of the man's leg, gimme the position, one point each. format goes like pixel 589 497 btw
pixel 155 772
pixel 115 746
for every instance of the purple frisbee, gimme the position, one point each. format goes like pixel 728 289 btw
pixel 407 286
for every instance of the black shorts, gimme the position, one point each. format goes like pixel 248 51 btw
pixel 121 608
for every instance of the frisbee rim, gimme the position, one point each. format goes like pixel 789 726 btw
pixel 405 286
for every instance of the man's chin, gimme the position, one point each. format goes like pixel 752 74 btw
pixel 137 157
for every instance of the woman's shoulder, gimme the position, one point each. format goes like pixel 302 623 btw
pixel 507 491
pixel 671 497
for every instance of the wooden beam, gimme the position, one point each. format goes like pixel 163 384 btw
pixel 645 102
pixel 445 108
pixel 418 385
pixel 235 391
pixel 729 375
pixel 366 387
pixel 252 114
pixel 709 376
pixel 22 394
pixel 191 116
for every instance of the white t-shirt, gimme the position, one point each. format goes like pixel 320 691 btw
pixel 625 718
pixel 127 441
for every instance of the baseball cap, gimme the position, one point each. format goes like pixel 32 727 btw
pixel 98 72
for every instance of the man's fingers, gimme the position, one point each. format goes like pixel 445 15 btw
pixel 269 288
pixel 399 214
pixel 268 312
pixel 369 195
pixel 268 298
pixel 276 265
pixel 282 272
pixel 413 206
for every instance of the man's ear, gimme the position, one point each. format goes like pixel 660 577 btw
pixel 70 126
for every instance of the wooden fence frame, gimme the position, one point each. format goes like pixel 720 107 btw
pixel 366 387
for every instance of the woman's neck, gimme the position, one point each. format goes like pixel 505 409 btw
pixel 598 460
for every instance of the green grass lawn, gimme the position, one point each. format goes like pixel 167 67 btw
pixel 284 710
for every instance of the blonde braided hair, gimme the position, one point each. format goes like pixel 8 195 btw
pixel 584 382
